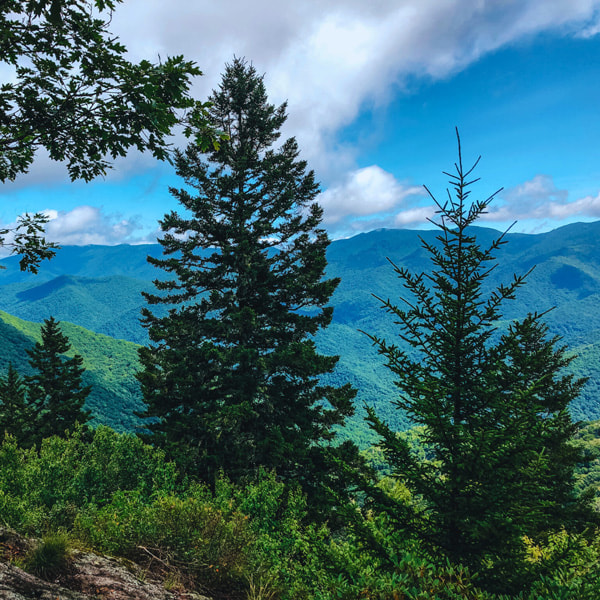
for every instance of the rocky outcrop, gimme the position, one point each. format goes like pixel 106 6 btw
pixel 87 577
pixel 16 584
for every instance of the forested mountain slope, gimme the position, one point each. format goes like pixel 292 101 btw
pixel 98 287
pixel 110 367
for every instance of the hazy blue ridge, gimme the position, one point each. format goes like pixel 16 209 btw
pixel 99 288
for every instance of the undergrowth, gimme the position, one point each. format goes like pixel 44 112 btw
pixel 113 494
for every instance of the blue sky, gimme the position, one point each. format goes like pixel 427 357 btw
pixel 374 95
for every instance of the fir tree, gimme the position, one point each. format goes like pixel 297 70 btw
pixel 232 374
pixel 15 412
pixel 494 407
pixel 55 389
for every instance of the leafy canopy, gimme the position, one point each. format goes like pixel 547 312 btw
pixel 75 94
pixel 72 92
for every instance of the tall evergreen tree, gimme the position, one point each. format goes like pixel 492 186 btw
pixel 494 406
pixel 232 374
pixel 56 392
pixel 15 412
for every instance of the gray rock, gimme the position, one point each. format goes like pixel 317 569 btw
pixel 88 577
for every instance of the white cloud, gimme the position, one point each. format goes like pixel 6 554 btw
pixel 89 225
pixel 527 200
pixel 590 31
pixel 415 216
pixel 331 58
pixel 371 198
pixel 539 198
pixel 367 191
pixel 84 225
pixel 589 206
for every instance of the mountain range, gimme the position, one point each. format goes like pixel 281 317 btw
pixel 99 288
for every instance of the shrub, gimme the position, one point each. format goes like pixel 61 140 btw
pixel 256 540
pixel 567 566
pixel 42 491
pixel 187 533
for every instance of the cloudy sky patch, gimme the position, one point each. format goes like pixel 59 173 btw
pixel 90 225
pixel 540 199
pixel 374 92
pixel 367 191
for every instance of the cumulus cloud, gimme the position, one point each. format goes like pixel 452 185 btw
pixel 330 59
pixel 589 206
pixel 415 216
pixel 365 191
pixel 369 198
pixel 90 225
pixel 84 225
pixel 539 198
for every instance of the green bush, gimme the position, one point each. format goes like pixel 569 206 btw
pixel 45 490
pixel 567 566
pixel 255 541
pixel 185 531
pixel 79 470
pixel 283 558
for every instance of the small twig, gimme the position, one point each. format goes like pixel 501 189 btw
pixel 160 560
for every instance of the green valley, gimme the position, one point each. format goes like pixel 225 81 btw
pixel 99 288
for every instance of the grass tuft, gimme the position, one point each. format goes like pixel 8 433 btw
pixel 50 557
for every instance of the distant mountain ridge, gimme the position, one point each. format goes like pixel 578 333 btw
pixel 99 288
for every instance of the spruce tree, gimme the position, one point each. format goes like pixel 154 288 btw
pixel 56 393
pixel 493 404
pixel 231 377
pixel 15 412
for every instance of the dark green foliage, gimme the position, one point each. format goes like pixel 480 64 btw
pixel 15 412
pixel 588 471
pixel 75 93
pixel 56 391
pixel 493 404
pixel 232 374
pixel 536 395
pixel 112 493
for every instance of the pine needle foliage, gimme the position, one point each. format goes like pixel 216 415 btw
pixel 231 377
pixel 493 404
pixel 56 392
pixel 15 411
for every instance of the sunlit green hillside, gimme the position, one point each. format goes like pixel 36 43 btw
pixel 110 367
